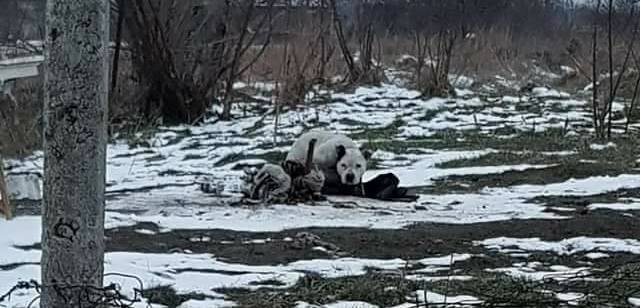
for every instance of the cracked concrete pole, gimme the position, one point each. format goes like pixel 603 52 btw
pixel 75 138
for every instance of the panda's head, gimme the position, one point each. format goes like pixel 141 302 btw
pixel 351 165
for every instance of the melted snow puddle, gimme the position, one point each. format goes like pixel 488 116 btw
pixel 340 304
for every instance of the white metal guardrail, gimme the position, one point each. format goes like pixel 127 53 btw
pixel 16 68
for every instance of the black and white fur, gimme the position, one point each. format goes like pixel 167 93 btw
pixel 306 180
pixel 291 181
pixel 337 156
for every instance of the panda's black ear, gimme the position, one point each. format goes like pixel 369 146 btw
pixel 341 151
pixel 367 154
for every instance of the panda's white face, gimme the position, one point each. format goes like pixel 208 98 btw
pixel 351 167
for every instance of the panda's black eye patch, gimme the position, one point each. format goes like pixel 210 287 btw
pixel 344 166
pixel 358 166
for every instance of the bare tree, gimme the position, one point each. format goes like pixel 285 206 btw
pixel 619 56
pixel 175 59
pixel 188 55
pixel 439 26
pixel 241 43
pixel 121 7
pixel 631 107
pixel 75 138
pixel 305 54
pixel 362 69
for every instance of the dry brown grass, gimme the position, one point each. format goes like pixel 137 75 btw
pixel 485 53
pixel 127 100
pixel 5 203
pixel 20 120
pixel 304 60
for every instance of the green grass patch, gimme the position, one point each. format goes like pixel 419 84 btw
pixel 384 290
pixel 610 288
pixel 584 201
pixel 167 296
pixel 542 176
pixel 352 122
pixel 548 141
pixel 430 115
pixel 386 132
pixel 504 158
pixel 272 157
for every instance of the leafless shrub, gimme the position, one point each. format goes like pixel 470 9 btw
pixel 20 119
pixel 614 33
pixel 435 41
pixel 21 20
pixel 302 55
pixel 181 62
pixel 175 65
pixel 361 69
pixel 305 58
pixel 245 39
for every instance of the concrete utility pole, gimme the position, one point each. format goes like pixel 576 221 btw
pixel 75 138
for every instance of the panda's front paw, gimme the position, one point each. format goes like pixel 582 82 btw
pixel 318 197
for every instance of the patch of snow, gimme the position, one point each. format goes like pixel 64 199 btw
pixel 263 86
pixel 600 147
pixel 634 301
pixel 201 239
pixel 461 81
pixel 24 186
pixel 340 304
pixel 446 260
pixel 561 209
pixel 514 99
pixel 463 92
pixel 421 277
pixel 581 187
pixel 531 273
pixel 145 231
pixel 257 241
pixel 564 247
pixel 383 155
pixel 432 298
pixel 423 171
pixel 544 92
pixel 570 298
pixel 207 303
pixel 344 266
pixel 633 206
pixel 545 73
pixel 349 304
pixel 239 85
pixel 567 70
pixel 596 255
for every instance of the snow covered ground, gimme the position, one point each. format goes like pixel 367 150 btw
pixel 154 181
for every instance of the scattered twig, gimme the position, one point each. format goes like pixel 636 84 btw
pixel 107 296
